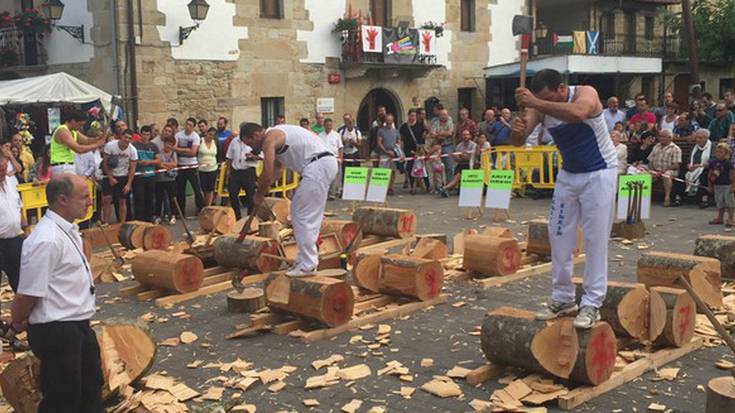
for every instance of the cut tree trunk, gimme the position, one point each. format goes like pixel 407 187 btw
pixel 538 239
pixel 498 232
pixel 680 314
pixel 247 255
pixel 514 337
pixel 171 271
pixel 597 353
pixel 629 231
pixel 491 256
pixel 21 384
pixel 626 308
pixel 410 276
pixel 249 300
pixel 366 271
pixel 430 249
pixel 387 222
pixel 720 395
pixel 254 224
pixel 137 234
pixel 217 218
pixel 663 269
pixel 281 208
pixel 325 299
pixel 346 231
pixel 437 236
pixel 720 247
pixel 458 240
pixel 270 229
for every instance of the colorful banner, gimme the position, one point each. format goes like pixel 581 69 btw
pixel 372 39
pixel 580 43
pixel 427 42
pixel 379 182
pixel 355 183
pixel 401 45
pixel 499 188
pixel 470 188
pixel 562 40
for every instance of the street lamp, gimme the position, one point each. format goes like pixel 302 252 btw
pixel 198 12
pixel 53 9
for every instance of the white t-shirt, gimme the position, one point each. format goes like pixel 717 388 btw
pixel 118 160
pixel 237 154
pixel 10 205
pixel 187 141
pixel 300 148
pixel 612 118
pixel 333 140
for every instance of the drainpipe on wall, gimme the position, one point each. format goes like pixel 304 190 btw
pixel 132 65
pixel 115 45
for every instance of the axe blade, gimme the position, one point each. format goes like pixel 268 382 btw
pixel 522 24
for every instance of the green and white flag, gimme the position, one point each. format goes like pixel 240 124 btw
pixel 562 41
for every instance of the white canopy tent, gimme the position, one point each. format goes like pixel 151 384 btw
pixel 54 88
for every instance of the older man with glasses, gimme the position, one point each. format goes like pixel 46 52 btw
pixel 720 125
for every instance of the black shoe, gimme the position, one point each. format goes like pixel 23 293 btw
pixel 676 203
pixel 704 204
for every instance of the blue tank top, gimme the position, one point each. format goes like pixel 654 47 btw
pixel 584 146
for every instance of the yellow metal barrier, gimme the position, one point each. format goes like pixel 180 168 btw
pixel 534 166
pixel 34 200
pixel 288 181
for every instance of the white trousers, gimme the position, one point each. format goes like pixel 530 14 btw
pixel 307 209
pixel 57 170
pixel 588 198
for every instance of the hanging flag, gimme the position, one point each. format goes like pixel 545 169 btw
pixel 562 41
pixel 372 39
pixel 580 43
pixel 400 46
pixel 593 42
pixel 427 42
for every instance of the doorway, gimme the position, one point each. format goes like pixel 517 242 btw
pixel 368 110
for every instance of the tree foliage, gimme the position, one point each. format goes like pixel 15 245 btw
pixel 714 28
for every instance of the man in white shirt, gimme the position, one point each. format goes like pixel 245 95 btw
pixel 612 114
pixel 56 300
pixel 119 158
pixel 12 221
pixel 187 147
pixel 241 167
pixel 334 142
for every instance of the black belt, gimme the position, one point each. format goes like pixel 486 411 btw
pixel 320 156
pixel 62 163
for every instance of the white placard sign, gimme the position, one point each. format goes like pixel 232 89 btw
pixel 499 188
pixel 325 105
pixel 353 188
pixel 626 202
pixel 379 182
pixel 470 189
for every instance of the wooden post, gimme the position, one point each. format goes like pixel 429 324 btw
pixel 325 299
pixel 491 256
pixel 387 222
pixel 181 273
pixel 664 268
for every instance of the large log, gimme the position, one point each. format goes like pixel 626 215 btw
pixel 664 268
pixel 325 299
pixel 171 271
pixel 237 228
pixel 597 353
pixel 626 308
pixel 430 249
pixel 366 271
pixel 247 254
pixel 139 234
pixel 513 337
pixel 410 276
pixel 217 218
pixel 679 316
pixel 720 396
pixel 538 239
pixel 281 208
pixel 387 222
pixel 721 247
pixel 498 232
pixel 346 231
pixel 491 256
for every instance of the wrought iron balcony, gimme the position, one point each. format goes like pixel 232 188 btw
pixel 20 48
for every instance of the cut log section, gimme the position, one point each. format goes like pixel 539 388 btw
pixel 629 231
pixel 538 239
pixel 513 337
pixel 458 240
pixel 430 249
pixel 387 222
pixel 249 300
pixel 346 231
pixel 720 247
pixel 21 384
pixel 171 271
pixel 325 299
pixel 491 256
pixel 410 276
pixel 720 395
pixel 137 234
pixel 217 218
pixel 247 255
pixel 237 228
pixel 663 269
pixel 596 357
pixel 680 314
pixel 281 208
pixel 626 308
pixel 437 236
pixel 270 229
pixel 498 232
pixel 366 271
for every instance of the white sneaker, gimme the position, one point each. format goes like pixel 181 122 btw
pixel 172 221
pixel 298 272
pixel 587 317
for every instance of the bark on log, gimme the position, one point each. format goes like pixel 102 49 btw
pixel 346 231
pixel 366 271
pixel 538 239
pixel 430 249
pixel 679 316
pixel 246 255
pixel 181 273
pixel 498 232
pixel 249 300
pixel 325 299
pixel 720 396
pixel 131 234
pixel 513 337
pixel 281 208
pixel 217 218
pixel 387 222
pixel 491 256
pixel 241 223
pixel 270 230
pixel 626 308
pixel 597 353
pixel 409 276
pixel 663 269
pixel 720 247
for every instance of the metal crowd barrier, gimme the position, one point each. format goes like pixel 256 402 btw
pixel 34 200
pixel 534 166
pixel 288 181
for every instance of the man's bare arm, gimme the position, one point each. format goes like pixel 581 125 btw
pixel 21 310
pixel 64 137
pixel 586 104
pixel 523 125
pixel 273 139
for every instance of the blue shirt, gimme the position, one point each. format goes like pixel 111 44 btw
pixel 502 133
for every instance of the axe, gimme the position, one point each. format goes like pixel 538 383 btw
pixel 523 26
pixel 118 259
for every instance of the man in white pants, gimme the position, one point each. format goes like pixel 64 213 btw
pixel 584 190
pixel 302 151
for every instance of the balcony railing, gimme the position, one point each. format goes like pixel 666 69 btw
pixel 353 55
pixel 615 45
pixel 19 48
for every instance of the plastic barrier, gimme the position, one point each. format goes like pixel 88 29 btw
pixel 34 200
pixel 535 166
pixel 288 181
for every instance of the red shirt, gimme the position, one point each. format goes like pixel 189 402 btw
pixel 649 117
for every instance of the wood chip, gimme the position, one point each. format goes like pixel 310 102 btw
pixel 352 406
pixel 355 339
pixel 214 393
pixel 194 364
pixel 725 364
pixel 334 358
pixel 458 372
pixel 187 337
pixel 158 382
pixel 278 386
pixel 248 408
pixel 427 363
pixel 311 402
pixel 384 329
pixel 655 407
pixel 668 373
pixel 407 392
pixel 182 392
pixel 376 409
pixel 459 304
pixel 537 398
pixel 518 389
pixel 170 342
pixel 442 388
pixel 481 405
pixel 355 372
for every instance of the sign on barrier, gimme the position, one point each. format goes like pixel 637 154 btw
pixel 353 188
pixel 378 188
pixel 498 189
pixel 470 189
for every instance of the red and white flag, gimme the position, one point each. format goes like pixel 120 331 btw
pixel 372 39
pixel 427 41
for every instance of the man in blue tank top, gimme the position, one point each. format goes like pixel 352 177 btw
pixel 584 193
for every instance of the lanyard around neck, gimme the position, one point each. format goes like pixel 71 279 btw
pixel 81 256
